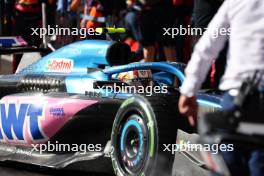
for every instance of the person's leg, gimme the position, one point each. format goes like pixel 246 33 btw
pixel 256 163
pixel 132 25
pixel 34 23
pixel 148 34
pixel 235 160
pixel 9 14
pixel 149 53
pixel 170 53
pixel 165 20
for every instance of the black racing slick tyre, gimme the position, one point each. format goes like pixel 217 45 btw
pixel 141 128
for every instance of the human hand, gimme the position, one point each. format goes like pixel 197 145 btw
pixel 189 108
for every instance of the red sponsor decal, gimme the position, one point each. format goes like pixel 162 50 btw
pixel 60 65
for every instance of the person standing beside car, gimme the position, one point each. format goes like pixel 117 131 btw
pixel 245 56
pixel 156 15
pixel 67 18
pixel 131 23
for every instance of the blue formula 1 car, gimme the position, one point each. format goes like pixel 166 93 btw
pixel 87 94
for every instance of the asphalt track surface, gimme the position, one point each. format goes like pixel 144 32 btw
pixel 16 169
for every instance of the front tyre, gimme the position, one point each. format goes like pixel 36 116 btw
pixel 137 137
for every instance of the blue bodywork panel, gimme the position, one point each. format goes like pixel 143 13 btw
pixel 79 63
pixel 82 55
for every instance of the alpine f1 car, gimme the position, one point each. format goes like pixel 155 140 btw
pixel 67 97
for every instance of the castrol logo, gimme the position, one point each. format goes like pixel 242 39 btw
pixel 60 65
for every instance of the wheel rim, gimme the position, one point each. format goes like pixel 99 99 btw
pixel 133 144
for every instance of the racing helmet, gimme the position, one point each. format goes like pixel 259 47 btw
pixel 137 78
